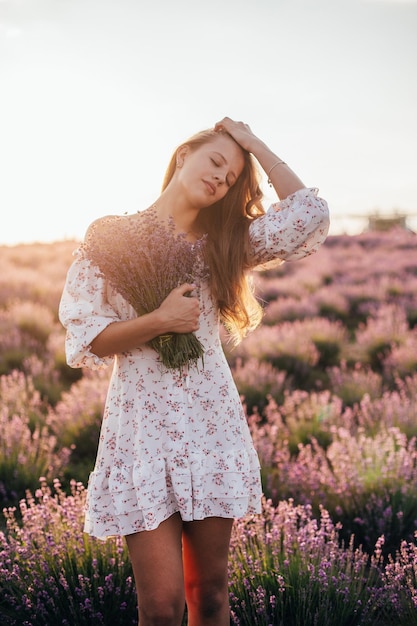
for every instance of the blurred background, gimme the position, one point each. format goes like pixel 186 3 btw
pixel 96 94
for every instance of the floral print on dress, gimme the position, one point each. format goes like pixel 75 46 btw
pixel 175 441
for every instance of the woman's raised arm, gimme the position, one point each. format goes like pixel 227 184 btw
pixel 280 175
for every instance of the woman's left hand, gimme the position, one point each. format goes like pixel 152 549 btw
pixel 283 179
pixel 240 132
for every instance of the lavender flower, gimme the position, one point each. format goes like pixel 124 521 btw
pixel 144 260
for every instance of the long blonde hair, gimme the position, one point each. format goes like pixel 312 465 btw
pixel 227 250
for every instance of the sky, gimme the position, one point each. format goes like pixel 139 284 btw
pixel 96 94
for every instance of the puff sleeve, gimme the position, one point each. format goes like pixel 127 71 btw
pixel 85 311
pixel 291 229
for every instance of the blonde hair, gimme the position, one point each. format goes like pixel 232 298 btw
pixel 227 249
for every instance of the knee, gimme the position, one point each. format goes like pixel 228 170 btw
pixel 161 612
pixel 212 604
pixel 209 600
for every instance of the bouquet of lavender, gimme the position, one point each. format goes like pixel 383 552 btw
pixel 144 260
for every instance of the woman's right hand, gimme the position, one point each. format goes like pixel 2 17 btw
pixel 180 312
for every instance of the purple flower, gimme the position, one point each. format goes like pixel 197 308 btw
pixel 144 260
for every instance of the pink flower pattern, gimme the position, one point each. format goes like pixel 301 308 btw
pixel 175 441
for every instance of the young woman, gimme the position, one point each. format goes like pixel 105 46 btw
pixel 175 463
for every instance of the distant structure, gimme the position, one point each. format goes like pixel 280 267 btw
pixel 387 222
pixel 384 222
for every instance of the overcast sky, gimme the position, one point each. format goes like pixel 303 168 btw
pixel 96 94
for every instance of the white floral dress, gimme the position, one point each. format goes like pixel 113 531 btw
pixel 175 441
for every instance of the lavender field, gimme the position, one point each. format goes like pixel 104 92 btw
pixel 329 382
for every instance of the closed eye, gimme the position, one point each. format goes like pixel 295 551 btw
pixel 230 181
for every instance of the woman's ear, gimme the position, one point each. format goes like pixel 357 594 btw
pixel 181 154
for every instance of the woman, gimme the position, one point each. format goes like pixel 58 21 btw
pixel 175 463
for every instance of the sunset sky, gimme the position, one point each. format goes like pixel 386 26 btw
pixel 95 95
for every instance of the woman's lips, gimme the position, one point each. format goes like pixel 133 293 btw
pixel 210 187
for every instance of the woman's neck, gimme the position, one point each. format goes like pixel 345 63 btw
pixel 184 215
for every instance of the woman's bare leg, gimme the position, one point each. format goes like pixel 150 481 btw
pixel 206 551
pixel 156 557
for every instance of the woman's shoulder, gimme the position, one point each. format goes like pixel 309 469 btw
pixel 106 223
pixel 102 224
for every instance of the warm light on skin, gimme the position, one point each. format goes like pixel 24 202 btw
pixel 203 177
pixel 231 177
pixel 218 163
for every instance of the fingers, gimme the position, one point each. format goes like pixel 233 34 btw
pixel 228 125
pixel 224 125
pixel 239 131
pixel 186 288
pixel 180 314
pixel 219 126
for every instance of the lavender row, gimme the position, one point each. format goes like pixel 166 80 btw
pixel 329 382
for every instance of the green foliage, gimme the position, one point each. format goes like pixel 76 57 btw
pixel 56 575
pixel 257 381
pixel 292 570
pixel 334 426
pixel 25 455
pixel 84 444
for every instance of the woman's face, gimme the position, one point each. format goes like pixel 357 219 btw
pixel 209 171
